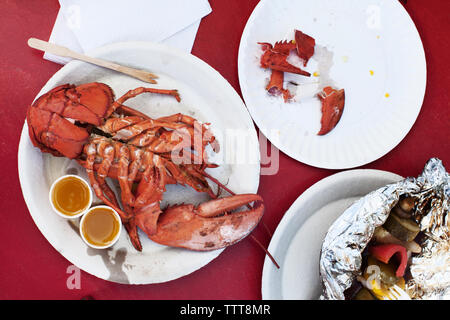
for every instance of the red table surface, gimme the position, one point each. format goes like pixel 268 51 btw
pixel 30 268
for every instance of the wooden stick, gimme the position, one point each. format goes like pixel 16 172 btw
pixel 65 52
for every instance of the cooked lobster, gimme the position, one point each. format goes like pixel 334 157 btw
pixel 109 139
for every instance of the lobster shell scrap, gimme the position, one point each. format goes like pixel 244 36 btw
pixel 275 57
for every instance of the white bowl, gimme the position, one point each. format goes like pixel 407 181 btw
pixel 61 214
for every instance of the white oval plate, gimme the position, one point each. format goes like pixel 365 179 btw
pixel 353 37
pixel 297 241
pixel 205 95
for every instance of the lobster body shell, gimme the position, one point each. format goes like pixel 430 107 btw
pixel 47 118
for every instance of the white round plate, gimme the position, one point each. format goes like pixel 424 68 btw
pixel 298 239
pixel 205 95
pixel 353 39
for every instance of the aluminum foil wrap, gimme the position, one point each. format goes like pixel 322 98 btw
pixel 340 259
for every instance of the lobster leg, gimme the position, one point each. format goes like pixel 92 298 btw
pixel 150 133
pixel 171 141
pixel 207 138
pixel 127 111
pixel 91 152
pixel 136 162
pixel 112 125
pixel 127 183
pixel 132 231
pixel 189 175
pixel 124 161
pixel 107 153
pixel 132 131
pixel 197 228
pixel 131 227
pixel 200 135
pixel 145 138
pixel 196 179
pixel 135 92
pixel 152 184
pixel 141 132
pixel 275 85
pixel 149 194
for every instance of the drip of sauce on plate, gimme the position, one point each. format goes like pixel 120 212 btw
pixel 100 226
pixel 70 196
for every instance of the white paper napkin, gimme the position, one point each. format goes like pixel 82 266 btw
pixel 62 35
pixel 82 25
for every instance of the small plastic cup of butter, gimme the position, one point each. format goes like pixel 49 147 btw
pixel 71 197
pixel 100 227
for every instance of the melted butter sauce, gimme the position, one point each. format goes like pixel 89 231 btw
pixel 100 226
pixel 70 196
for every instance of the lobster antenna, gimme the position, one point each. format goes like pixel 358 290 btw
pixel 266 251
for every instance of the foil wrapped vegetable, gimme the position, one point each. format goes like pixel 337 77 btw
pixel 341 255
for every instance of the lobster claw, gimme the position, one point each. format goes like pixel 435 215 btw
pixel 201 229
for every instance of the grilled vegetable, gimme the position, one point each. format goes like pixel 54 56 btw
pixel 384 253
pixel 402 228
pixel 401 213
pixel 382 236
pixel 407 204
